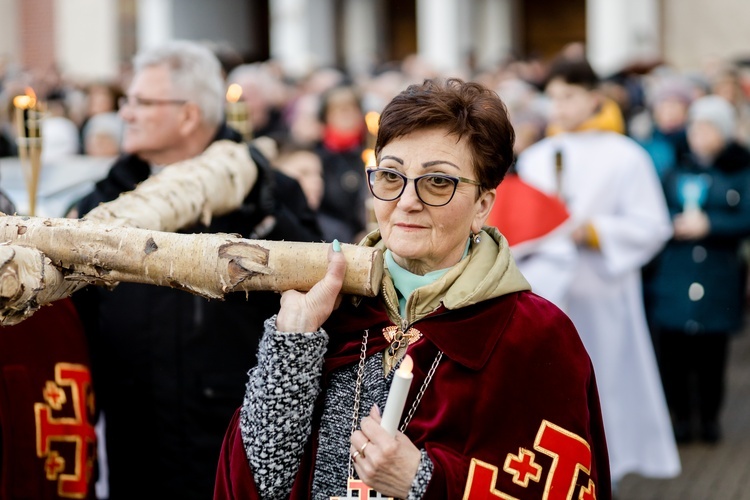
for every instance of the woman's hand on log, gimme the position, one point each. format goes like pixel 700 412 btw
pixel 306 312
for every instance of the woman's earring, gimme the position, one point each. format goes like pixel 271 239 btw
pixel 476 238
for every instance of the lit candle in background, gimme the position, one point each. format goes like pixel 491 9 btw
pixel 394 405
pixel 237 116
pixel 372 121
pixel 29 114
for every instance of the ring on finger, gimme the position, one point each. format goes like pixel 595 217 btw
pixel 362 450
pixel 355 455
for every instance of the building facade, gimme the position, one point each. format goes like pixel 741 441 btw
pixel 91 38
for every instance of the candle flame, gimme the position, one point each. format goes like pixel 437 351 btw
pixel 372 120
pixel 25 101
pixel 368 156
pixel 234 92
pixel 406 366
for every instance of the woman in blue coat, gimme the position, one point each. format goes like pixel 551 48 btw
pixel 695 288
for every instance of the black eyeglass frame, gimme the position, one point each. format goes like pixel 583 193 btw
pixel 136 101
pixel 454 179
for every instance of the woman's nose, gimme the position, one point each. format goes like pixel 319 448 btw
pixel 409 197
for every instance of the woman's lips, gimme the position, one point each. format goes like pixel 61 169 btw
pixel 409 227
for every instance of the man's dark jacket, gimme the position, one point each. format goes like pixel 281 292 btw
pixel 169 367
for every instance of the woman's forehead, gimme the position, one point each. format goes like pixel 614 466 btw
pixel 426 148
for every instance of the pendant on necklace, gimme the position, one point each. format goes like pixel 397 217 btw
pixel 399 342
pixel 363 491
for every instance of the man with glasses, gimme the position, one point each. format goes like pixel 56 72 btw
pixel 168 366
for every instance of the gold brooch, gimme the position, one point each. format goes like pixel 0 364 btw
pixel 399 342
pixel 412 334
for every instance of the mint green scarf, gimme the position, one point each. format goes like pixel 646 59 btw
pixel 406 282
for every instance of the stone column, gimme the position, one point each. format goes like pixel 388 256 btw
pixel 360 27
pixel 620 32
pixel 97 38
pixel 155 22
pixel 495 33
pixel 302 34
pixel 438 34
pixel 10 28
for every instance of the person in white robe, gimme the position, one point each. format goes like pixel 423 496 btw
pixel 619 222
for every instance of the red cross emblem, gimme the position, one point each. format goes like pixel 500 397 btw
pixel 570 455
pixel 362 491
pixel 51 430
pixel 522 467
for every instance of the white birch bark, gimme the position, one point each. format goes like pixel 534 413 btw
pixel 130 239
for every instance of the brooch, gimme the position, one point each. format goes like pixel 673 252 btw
pixel 399 342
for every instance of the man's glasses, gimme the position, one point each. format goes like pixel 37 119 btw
pixel 136 101
pixel 434 190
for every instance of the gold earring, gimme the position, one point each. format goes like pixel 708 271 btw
pixel 476 238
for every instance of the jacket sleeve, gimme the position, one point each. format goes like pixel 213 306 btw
pixel 234 479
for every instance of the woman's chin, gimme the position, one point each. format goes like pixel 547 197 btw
pixel 406 251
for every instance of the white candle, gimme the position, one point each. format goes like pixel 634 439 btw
pixel 236 111
pixel 394 405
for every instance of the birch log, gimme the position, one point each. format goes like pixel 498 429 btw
pixel 212 183
pixel 129 239
pixel 75 253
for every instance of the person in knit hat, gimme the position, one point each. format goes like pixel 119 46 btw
pixel 695 288
pixel 712 122
pixel 661 129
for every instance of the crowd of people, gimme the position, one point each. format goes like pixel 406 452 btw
pixel 612 328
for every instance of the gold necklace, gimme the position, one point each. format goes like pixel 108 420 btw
pixel 351 482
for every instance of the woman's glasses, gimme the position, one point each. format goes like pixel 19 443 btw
pixel 434 190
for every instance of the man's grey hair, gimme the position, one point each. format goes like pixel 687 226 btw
pixel 196 75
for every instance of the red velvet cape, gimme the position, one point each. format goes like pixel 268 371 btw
pixel 513 406
pixel 46 407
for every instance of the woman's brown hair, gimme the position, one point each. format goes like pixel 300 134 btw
pixel 466 109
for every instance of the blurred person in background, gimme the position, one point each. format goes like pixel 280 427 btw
pixel 99 97
pixel 228 55
pixel 382 86
pixel 60 135
pixel 169 366
pixel 727 83
pixel 662 128
pixel 303 118
pixel 265 96
pixel 303 164
pixel 527 108
pixel 342 213
pixel 302 113
pixel 619 222
pixel 102 134
pixel 695 288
